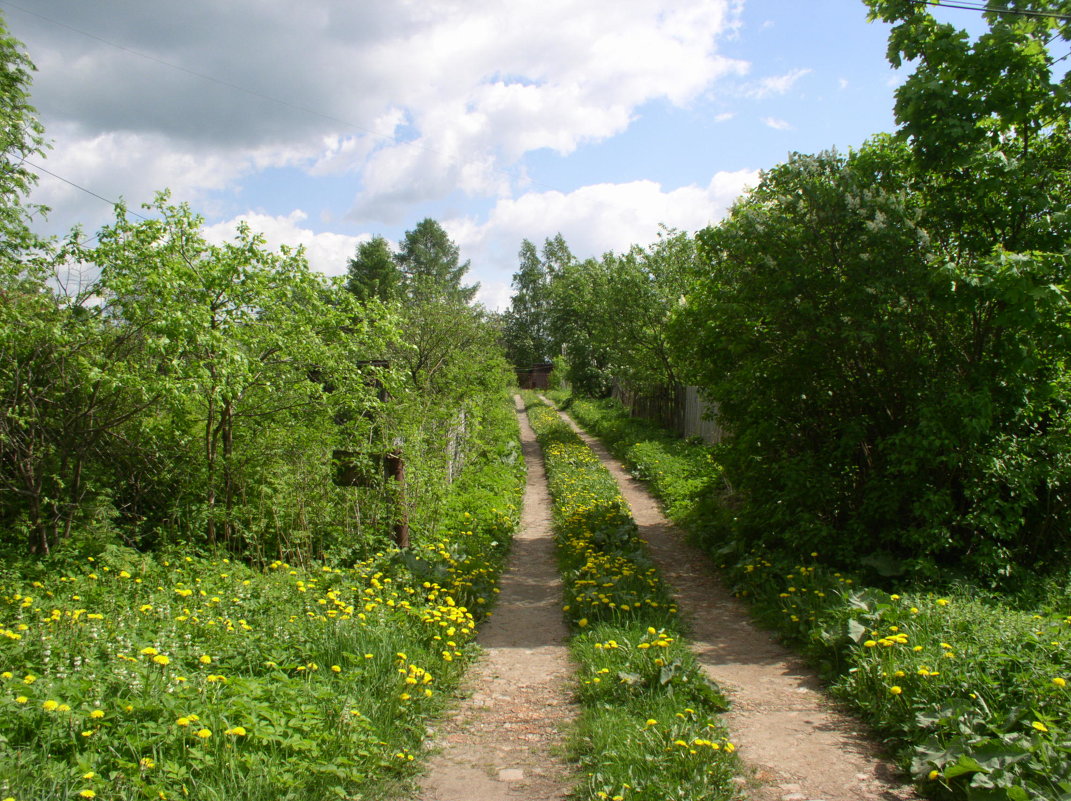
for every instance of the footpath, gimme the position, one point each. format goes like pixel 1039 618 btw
pixel 506 738
pixel 505 741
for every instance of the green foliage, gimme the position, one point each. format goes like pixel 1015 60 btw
pixel 642 289
pixel 372 272
pixel 576 292
pixel 526 334
pixel 21 138
pixel 648 727
pixel 881 392
pixel 133 676
pixel 972 691
pixel 431 266
pixel 608 316
pixel 251 349
pixel 968 97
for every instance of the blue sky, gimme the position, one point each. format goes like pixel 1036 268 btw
pixel 325 122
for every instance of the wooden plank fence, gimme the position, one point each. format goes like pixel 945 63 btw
pixel 678 408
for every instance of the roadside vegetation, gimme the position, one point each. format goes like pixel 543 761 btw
pixel 250 516
pixel 969 688
pixel 649 728
pixel 132 675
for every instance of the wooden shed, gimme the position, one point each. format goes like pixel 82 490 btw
pixel 535 377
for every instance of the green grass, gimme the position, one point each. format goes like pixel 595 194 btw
pixel 969 689
pixel 131 676
pixel 649 729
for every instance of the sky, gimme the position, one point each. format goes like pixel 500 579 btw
pixel 325 122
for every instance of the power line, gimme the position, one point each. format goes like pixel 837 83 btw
pixel 112 203
pixel 963 5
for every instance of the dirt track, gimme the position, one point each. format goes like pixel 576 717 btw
pixel 505 739
pixel 796 745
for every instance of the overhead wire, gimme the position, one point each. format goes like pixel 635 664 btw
pixel 963 5
pixel 41 169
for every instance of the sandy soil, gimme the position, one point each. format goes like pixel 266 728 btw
pixel 795 743
pixel 505 739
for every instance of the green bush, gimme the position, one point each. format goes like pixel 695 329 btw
pixel 129 676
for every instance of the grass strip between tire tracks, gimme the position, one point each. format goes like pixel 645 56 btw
pixel 648 729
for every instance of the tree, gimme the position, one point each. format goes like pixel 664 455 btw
pixel 965 96
pixel 987 124
pixel 577 292
pixel 526 325
pixel 21 137
pixel 644 287
pixel 431 265
pixel 260 357
pixel 372 272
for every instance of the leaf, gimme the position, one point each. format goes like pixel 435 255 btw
pixel 856 630
pixel 963 766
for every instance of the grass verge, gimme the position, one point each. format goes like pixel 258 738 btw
pixel 648 729
pixel 131 676
pixel 970 691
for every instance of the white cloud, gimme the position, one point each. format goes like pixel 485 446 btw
pixel 777 84
pixel 133 167
pixel 467 88
pixel 843 83
pixel 327 252
pixel 776 123
pixel 725 116
pixel 495 295
pixel 593 219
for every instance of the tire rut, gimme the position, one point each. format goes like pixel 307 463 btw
pixel 504 741
pixel 796 744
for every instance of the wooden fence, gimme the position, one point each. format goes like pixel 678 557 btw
pixel 677 408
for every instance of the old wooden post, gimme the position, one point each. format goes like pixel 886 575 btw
pixel 395 468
